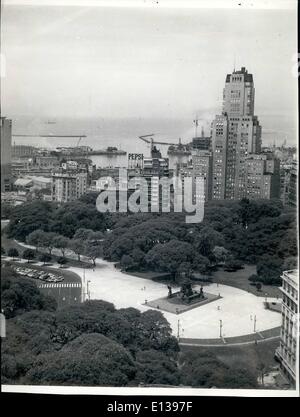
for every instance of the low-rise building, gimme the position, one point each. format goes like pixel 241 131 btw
pixel 23 151
pixel 68 186
pixel 46 161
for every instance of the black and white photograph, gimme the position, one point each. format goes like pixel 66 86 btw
pixel 149 199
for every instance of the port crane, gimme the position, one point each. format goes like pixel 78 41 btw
pixel 153 143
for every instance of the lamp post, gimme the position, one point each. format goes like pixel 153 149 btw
pixel 221 325
pixel 254 324
pixel 178 329
pixel 88 290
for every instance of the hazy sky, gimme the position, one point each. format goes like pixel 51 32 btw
pixel 143 62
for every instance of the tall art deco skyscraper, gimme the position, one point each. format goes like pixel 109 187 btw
pixel 236 133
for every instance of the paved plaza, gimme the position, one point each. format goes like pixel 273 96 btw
pixel 241 312
pixel 237 308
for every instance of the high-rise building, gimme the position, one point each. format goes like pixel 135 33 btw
pixel 262 176
pixel 68 186
pixel 154 169
pixel 202 167
pixel 202 143
pixel 235 134
pixel 219 150
pixel 292 193
pixel 289 336
pixel 6 177
pixel 284 183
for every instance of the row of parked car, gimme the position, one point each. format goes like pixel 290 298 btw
pixel 42 275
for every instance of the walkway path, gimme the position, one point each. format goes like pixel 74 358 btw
pixel 258 337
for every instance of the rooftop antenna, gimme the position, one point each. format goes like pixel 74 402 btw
pixel 202 132
pixel 234 62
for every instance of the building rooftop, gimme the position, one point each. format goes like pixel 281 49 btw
pixel 293 275
pixel 46 180
pixel 247 77
pixel 23 182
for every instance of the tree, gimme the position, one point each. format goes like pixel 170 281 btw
pixel 206 239
pixel 36 238
pixel 92 250
pixel 262 368
pixel 2 250
pixel 245 211
pixel 269 270
pixel 13 253
pixel 29 217
pixel 120 247
pixel 77 247
pixel 62 243
pixel 90 359
pixel 50 238
pixel 61 261
pixel 77 215
pixel 258 286
pixel 83 234
pixel 19 295
pixel 254 278
pixel 184 271
pixel 127 262
pixel 233 265
pixel 28 254
pixel 290 263
pixel 138 257
pixel 220 254
pixel 45 257
pixel 168 256
pixel 96 236
pixel 200 263
pixel 155 367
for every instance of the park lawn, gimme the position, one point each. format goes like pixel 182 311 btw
pixel 249 355
pixel 155 276
pixel 239 279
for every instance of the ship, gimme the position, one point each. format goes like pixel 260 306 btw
pixel 110 150
pixel 179 150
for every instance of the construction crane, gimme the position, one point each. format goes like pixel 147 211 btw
pixel 196 123
pixel 153 143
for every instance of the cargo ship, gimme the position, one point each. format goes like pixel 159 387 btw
pixel 179 150
pixel 110 150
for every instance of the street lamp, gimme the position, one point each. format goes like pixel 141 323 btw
pixel 87 289
pixel 254 324
pixel 178 329
pixel 221 325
